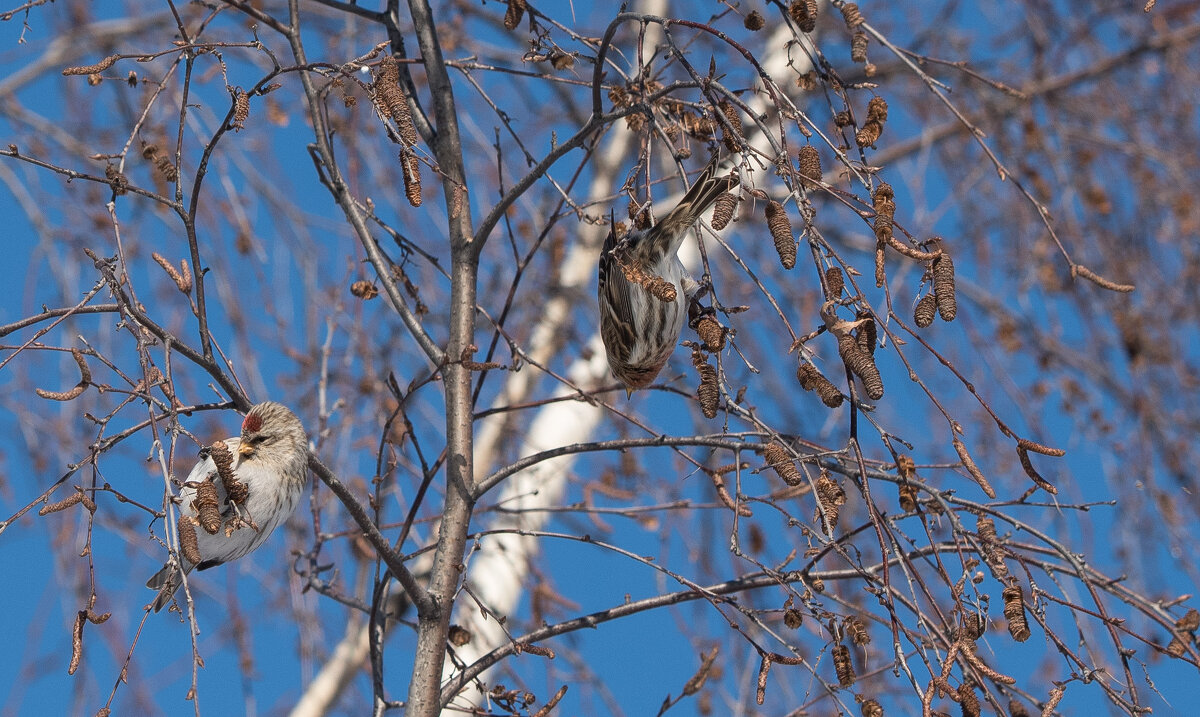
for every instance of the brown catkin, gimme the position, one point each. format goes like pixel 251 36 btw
pixel 723 210
pixel 811 379
pixel 968 700
pixel 207 508
pixel 364 290
pixel 235 490
pixel 867 334
pixel 712 333
pixel 908 497
pixel 877 110
pixel 100 66
pixel 961 449
pixel 871 708
pixel 883 200
pixel 793 618
pixel 241 110
pixel 781 232
pixel 1016 709
pixel 843 666
pixel 412 178
pixel 732 135
pixel 851 15
pixel 831 498
pixel 754 21
pixel 943 286
pixel 512 16
pixel 708 393
pixel 861 364
pixel 857 631
pixel 804 14
pixel 188 544
pixel 985 527
pixel 925 310
pixel 858 46
pixel 869 134
pixel 809 163
pixel 1014 612
pixel 63 504
pixel 777 457
pixel 393 101
pixel 662 289
pixel 835 281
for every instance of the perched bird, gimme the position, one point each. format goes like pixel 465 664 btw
pixel 638 327
pixel 270 459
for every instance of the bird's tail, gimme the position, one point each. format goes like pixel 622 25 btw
pixel 166 581
pixel 707 189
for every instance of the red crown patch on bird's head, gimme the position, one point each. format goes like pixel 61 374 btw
pixel 252 424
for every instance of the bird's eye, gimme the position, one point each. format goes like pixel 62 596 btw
pixel 255 439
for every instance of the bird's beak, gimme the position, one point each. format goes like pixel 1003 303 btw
pixel 628 393
pixel 245 449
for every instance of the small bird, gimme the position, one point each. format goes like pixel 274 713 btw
pixel 639 329
pixel 270 458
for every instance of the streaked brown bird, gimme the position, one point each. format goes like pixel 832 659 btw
pixel 270 457
pixel 639 329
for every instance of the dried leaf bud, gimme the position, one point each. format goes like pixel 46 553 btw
pixel 908 497
pixel 723 210
pixel 708 393
pixel 861 364
pixel 241 110
pixel 754 21
pixel 512 16
pixel 793 618
pixel 961 449
pixel 1014 612
pixel 364 290
pixel 835 282
pixel 858 46
pixel 870 707
pixel 412 178
pixel 867 334
pixel 857 631
pixel 851 15
pixel 732 135
pixel 943 286
pixel 188 544
pixel 712 333
pixel 206 507
pixel 843 666
pixel 804 14
pixel 924 312
pixel 779 460
pixel 100 66
pixel 781 232
pixel 831 498
pixel 811 379
pixel 809 163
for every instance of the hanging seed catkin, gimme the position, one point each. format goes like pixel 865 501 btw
pixel 514 13
pixel 968 700
pixel 712 333
pixel 411 167
pixel 781 232
pixel 723 210
pixel 207 509
pixel 779 460
pixel 843 666
pixel 858 47
pixel 241 110
pixel 831 498
pixel 925 310
pixel 861 364
pixel 961 449
pixel 804 14
pixel 809 163
pixel 188 543
pixel 235 490
pixel 707 393
pixel 1014 612
pixel 732 135
pixel 835 281
pixel 871 708
pixel 867 334
pixel 754 21
pixel 943 286
pixel 392 100
pixel 908 497
pixel 811 379
pixel 857 631
pixel 852 16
